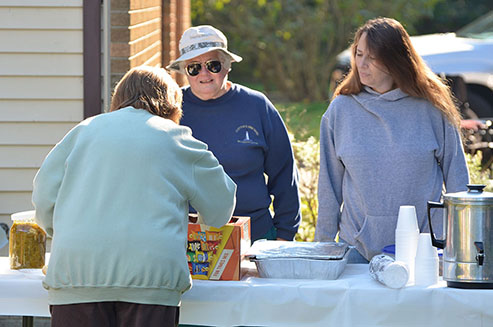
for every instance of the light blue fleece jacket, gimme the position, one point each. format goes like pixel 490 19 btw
pixel 114 193
pixel 378 152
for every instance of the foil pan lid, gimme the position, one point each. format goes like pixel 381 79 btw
pixel 264 249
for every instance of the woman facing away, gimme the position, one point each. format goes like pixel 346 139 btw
pixel 114 194
pixel 389 138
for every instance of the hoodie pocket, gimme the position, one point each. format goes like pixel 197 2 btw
pixel 376 233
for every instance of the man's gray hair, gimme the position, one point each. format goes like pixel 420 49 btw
pixel 225 59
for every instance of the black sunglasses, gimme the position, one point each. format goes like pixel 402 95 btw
pixel 193 69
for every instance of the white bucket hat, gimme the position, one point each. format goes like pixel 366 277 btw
pixel 198 40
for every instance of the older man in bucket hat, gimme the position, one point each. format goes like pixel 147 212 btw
pixel 243 130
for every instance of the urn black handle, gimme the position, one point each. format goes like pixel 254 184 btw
pixel 436 243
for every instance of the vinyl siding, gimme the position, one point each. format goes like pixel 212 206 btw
pixel 41 90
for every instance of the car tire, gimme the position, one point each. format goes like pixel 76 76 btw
pixel 480 105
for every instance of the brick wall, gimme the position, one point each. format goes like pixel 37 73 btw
pixel 176 19
pixel 140 32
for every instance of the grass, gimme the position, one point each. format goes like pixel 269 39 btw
pixel 302 119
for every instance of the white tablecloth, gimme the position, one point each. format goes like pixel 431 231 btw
pixel 352 300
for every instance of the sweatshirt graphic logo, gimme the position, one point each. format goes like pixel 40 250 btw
pixel 247 134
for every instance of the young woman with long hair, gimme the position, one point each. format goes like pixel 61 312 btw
pixel 389 138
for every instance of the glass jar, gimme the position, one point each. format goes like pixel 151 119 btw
pixel 27 242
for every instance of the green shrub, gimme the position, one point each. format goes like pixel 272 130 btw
pixel 306 154
pixel 477 174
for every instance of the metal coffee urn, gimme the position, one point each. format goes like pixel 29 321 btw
pixel 468 244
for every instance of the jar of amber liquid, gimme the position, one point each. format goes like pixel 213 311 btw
pixel 27 246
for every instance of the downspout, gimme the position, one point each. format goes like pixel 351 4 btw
pixel 106 55
pixel 91 20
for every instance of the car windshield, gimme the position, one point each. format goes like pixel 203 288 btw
pixel 481 28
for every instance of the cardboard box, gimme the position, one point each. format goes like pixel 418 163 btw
pixel 216 253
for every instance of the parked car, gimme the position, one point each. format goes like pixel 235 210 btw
pixel 467 53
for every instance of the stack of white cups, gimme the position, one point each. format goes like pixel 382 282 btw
pixel 406 238
pixel 426 263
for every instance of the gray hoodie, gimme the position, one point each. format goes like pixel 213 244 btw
pixel 378 152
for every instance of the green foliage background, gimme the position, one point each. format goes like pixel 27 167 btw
pixel 290 46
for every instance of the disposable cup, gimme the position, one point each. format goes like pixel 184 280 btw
pixel 405 253
pixel 410 264
pixel 405 244
pixel 389 272
pixel 396 275
pixel 425 263
pixel 406 257
pixel 426 277
pixel 406 220
pixel 407 236
pixel 426 267
pixel 407 233
pixel 425 249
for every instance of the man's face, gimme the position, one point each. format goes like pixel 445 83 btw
pixel 207 85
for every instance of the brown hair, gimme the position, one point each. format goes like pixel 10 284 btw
pixel 389 42
pixel 151 89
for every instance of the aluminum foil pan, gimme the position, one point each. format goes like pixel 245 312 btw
pixel 299 260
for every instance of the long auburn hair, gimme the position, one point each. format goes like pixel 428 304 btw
pixel 149 88
pixel 388 41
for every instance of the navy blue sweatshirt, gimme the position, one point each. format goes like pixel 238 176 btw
pixel 247 135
